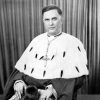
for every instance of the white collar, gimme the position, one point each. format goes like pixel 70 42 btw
pixel 54 35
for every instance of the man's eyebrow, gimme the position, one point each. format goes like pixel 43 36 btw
pixel 49 18
pixel 46 18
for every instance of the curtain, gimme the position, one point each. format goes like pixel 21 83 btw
pixel 21 21
pixel 93 47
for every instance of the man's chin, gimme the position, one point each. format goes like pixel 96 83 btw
pixel 52 32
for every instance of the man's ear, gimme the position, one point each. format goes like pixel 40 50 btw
pixel 62 18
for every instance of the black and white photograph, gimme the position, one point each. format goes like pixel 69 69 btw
pixel 49 49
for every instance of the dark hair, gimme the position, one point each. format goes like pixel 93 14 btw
pixel 51 7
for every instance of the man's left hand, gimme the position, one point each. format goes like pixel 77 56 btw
pixel 46 94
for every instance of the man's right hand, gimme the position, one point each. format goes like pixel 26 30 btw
pixel 19 86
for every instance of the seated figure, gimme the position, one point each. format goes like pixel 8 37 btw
pixel 50 65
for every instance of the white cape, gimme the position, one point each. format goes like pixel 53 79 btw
pixel 61 57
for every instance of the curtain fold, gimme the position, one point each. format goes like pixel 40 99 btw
pixel 21 21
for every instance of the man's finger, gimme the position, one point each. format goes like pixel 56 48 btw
pixel 42 98
pixel 46 98
pixel 19 95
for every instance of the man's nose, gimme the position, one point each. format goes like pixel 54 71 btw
pixel 51 23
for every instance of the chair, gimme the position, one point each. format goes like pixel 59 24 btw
pixel 78 84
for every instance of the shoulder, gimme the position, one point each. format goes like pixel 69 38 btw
pixel 39 38
pixel 72 39
pixel 43 35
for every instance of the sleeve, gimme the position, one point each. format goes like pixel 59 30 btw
pixel 32 81
pixel 8 90
pixel 64 88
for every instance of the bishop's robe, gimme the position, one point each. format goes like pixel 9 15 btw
pixel 56 60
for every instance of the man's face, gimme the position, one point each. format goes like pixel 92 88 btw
pixel 52 22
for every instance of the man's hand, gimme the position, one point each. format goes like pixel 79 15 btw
pixel 46 94
pixel 19 86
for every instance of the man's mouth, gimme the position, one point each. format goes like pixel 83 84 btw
pixel 51 28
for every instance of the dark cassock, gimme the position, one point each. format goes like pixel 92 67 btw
pixel 56 61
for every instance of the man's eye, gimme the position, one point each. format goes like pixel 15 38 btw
pixel 55 18
pixel 46 19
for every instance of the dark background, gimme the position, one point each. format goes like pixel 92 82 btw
pixel 21 21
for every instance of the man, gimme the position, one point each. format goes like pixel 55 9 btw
pixel 52 62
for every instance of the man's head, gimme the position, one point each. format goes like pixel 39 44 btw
pixel 52 18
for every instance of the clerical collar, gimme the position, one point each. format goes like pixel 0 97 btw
pixel 55 35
